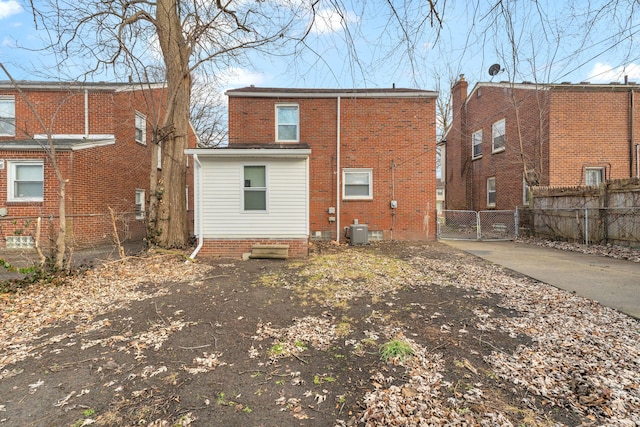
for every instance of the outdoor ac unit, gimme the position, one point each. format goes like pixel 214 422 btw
pixel 359 234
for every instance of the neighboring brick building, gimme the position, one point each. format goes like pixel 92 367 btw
pixel 554 134
pixel 370 158
pixel 102 135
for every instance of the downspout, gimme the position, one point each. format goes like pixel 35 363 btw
pixel 632 134
pixel 338 175
pixel 197 206
pixel 86 113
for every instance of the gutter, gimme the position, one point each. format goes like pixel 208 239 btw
pixel 197 206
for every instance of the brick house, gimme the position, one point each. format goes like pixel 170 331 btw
pixel 559 135
pixel 102 134
pixel 320 159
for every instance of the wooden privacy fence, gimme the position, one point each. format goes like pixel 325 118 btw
pixel 609 213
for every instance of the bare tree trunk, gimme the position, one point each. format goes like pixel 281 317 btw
pixel 171 219
pixel 62 226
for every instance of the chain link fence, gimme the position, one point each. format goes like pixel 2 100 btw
pixel 617 226
pixel 482 225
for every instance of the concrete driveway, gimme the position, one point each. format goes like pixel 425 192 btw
pixel 612 282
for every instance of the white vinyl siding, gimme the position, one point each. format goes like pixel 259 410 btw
pixel 223 214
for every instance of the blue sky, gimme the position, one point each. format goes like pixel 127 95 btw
pixel 470 40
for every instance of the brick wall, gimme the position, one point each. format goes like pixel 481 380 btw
pixel 393 136
pixel 99 177
pixel 555 134
pixel 215 248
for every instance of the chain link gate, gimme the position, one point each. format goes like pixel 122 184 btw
pixel 482 225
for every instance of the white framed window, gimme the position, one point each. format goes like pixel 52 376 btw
pixel 140 196
pixel 25 181
pixel 254 192
pixel 287 123
pixel 357 184
pixel 141 128
pixel 498 131
pixel 594 176
pixel 7 116
pixel 491 192
pixel 476 144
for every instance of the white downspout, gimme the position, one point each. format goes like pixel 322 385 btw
pixel 197 206
pixel 338 175
pixel 86 113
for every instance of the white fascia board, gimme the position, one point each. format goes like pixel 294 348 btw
pixel 250 152
pixel 346 95
pixel 93 144
pixel 78 136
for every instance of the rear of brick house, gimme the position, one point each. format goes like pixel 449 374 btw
pixel 370 159
pixel 103 139
pixel 505 137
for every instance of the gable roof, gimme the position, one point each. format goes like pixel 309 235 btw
pixel 266 92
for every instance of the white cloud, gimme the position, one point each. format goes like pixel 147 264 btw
pixel 8 8
pixel 239 77
pixel 330 21
pixel 605 73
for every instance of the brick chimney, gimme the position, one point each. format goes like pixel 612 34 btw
pixel 459 93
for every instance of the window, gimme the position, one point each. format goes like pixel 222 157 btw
pixel 140 204
pixel 498 136
pixel 25 181
pixel 491 192
pixel 287 128
pixel 141 128
pixel 160 155
pixel 255 188
pixel 357 184
pixel 594 176
pixel 476 144
pixel 7 116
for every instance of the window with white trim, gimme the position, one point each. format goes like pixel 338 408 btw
pixel 141 128
pixel 476 144
pixel 7 116
pixel 594 176
pixel 25 181
pixel 357 184
pixel 287 123
pixel 140 196
pixel 498 131
pixel 491 192
pixel 254 188
pixel 526 191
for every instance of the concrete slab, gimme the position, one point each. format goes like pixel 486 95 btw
pixel 612 282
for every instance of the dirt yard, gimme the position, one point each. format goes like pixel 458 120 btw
pixel 392 334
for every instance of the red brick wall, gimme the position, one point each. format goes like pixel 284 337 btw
pixel 376 133
pixel 215 248
pixel 100 177
pixel 589 129
pixel 557 132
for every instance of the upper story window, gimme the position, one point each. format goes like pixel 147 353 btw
pixel 498 136
pixel 491 192
pixel 25 181
pixel 255 188
pixel 357 184
pixel 7 116
pixel 476 144
pixel 287 123
pixel 141 128
pixel 594 176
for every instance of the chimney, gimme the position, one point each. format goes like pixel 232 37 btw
pixel 459 93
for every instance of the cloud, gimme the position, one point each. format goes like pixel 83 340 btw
pixel 330 21
pixel 234 77
pixel 605 73
pixel 8 8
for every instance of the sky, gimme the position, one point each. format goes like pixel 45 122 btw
pixel 472 37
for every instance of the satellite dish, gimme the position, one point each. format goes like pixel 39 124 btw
pixel 494 69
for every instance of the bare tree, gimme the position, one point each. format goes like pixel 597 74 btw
pixel 122 36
